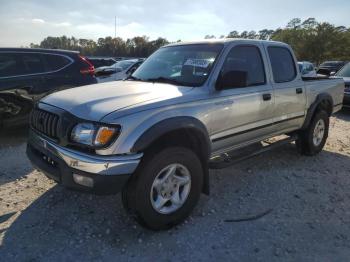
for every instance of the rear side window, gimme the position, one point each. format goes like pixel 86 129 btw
pixel 56 62
pixel 282 63
pixel 247 60
pixel 33 63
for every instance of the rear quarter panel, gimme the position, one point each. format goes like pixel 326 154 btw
pixel 333 87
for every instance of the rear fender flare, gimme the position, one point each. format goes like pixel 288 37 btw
pixel 312 109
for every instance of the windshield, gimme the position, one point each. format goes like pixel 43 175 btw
pixel 345 71
pixel 125 64
pixel 187 65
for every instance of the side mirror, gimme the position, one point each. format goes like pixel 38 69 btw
pixel 231 79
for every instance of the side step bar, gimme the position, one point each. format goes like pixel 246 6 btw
pixel 235 156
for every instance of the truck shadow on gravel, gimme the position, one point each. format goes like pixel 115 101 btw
pixel 13 136
pixel 65 225
pixel 14 163
pixel 344 114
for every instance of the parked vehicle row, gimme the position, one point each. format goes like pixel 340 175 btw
pixel 187 108
pixel 330 67
pixel 27 75
pixel 307 69
pixel 118 71
pixel 345 74
pixel 101 61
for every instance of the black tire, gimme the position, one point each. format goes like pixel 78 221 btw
pixel 305 142
pixel 136 196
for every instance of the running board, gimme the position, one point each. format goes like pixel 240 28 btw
pixel 235 156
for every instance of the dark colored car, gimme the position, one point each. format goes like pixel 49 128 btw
pixel 101 61
pixel 345 74
pixel 330 67
pixel 27 75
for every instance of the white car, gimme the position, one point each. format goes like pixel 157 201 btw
pixel 118 71
pixel 307 69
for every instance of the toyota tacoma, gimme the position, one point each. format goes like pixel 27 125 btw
pixel 186 109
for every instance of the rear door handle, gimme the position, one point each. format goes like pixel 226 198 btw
pixel 267 97
pixel 299 90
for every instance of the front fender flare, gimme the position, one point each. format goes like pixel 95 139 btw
pixel 190 124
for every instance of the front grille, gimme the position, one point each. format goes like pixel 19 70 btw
pixel 45 122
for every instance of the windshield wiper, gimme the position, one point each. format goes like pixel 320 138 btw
pixel 162 79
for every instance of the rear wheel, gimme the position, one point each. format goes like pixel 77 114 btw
pixel 312 140
pixel 165 188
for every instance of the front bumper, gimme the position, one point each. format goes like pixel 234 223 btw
pixel 107 174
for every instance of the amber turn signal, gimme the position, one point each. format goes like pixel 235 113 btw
pixel 104 135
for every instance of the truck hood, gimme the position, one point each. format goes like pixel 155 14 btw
pixel 93 102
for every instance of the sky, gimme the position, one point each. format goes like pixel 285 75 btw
pixel 24 22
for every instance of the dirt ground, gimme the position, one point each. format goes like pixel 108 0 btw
pixel 309 198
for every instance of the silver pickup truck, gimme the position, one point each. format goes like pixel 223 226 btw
pixel 188 108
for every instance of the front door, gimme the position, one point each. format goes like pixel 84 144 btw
pixel 243 112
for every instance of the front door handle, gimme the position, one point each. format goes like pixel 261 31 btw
pixel 267 97
pixel 299 90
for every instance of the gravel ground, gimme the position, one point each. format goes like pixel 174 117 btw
pixel 309 221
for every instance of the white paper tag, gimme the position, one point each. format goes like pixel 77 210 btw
pixel 204 63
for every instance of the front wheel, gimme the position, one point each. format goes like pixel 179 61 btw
pixel 312 140
pixel 165 188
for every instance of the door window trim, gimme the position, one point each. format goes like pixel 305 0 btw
pixel 292 57
pixel 40 53
pixel 262 63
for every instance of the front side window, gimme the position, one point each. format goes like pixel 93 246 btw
pixel 245 61
pixel 187 65
pixel 282 63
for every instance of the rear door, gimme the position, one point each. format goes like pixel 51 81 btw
pixel 243 113
pixel 290 98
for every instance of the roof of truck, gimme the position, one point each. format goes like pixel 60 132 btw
pixel 223 41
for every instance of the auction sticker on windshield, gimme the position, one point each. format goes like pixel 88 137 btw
pixel 204 63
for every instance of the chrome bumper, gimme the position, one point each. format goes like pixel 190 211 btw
pixel 102 165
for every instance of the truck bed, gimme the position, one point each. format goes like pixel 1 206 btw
pixel 332 86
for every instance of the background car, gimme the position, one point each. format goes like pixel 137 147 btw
pixel 330 67
pixel 27 75
pixel 118 71
pixel 345 74
pixel 307 69
pixel 101 61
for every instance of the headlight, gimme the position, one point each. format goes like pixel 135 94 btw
pixel 94 135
